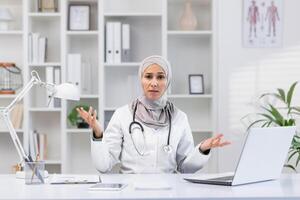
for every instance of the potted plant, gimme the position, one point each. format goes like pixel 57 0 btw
pixel 285 115
pixel 75 119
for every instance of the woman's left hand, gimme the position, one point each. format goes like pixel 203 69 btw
pixel 213 142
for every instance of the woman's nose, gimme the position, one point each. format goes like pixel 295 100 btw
pixel 154 83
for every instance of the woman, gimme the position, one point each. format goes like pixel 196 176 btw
pixel 150 135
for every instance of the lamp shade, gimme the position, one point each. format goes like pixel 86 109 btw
pixel 67 91
pixel 5 14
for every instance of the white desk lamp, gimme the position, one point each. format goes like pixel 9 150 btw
pixel 63 91
pixel 5 17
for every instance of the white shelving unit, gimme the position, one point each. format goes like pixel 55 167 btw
pixel 154 31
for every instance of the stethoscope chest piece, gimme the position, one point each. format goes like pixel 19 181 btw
pixel 167 148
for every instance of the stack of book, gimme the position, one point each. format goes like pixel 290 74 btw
pixel 53 75
pixel 37 145
pixel 16 116
pixel 37 48
pixel 117 41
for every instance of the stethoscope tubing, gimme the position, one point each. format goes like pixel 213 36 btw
pixel 166 147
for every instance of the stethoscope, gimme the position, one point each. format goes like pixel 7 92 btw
pixel 167 148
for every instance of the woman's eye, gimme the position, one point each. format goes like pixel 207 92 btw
pixel 161 77
pixel 148 76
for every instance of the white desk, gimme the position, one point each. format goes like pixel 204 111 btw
pixel 288 187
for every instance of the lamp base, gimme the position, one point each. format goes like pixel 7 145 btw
pixel 21 174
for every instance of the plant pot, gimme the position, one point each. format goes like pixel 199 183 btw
pixel 82 125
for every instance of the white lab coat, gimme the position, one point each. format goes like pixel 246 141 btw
pixel 117 147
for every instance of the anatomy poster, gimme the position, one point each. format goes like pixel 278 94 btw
pixel 262 23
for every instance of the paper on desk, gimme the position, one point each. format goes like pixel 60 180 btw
pixel 73 179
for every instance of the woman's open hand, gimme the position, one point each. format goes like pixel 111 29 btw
pixel 213 142
pixel 90 117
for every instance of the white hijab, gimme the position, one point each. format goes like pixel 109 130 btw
pixel 155 114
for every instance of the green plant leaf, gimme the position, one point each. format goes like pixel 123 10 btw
pixel 290 94
pixel 267 94
pixel 271 119
pixel 73 116
pixel 292 155
pixel 281 95
pixel 255 122
pixel 298 159
pixel 278 118
pixel 290 166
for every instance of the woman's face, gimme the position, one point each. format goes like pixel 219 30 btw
pixel 154 82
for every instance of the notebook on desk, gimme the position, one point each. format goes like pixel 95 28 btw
pixel 74 179
pixel 262 158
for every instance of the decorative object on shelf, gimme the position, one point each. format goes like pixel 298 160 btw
pixel 262 23
pixel 10 78
pixel 5 17
pixel 79 17
pixel 65 91
pixel 282 115
pixel 188 20
pixel 196 84
pixel 75 119
pixel 47 5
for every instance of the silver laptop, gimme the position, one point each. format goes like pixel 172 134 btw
pixel 262 158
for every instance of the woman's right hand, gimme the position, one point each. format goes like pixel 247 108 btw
pixel 90 117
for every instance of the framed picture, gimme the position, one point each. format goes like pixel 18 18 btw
pixel 196 84
pixel 262 23
pixel 47 5
pixel 79 17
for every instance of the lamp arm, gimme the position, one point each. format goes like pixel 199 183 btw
pixel 15 138
pixel 21 95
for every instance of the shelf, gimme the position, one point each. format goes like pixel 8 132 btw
pixel 12 32
pixel 130 64
pixel 110 108
pixel 52 162
pixel 89 96
pixel 190 96
pixel 202 131
pixel 83 130
pixel 35 14
pixel 82 32
pixel 51 64
pixel 146 14
pixel 45 109
pixel 7 96
pixel 190 33
pixel 196 2
pixel 7 131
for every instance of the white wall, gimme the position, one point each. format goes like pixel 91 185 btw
pixel 246 72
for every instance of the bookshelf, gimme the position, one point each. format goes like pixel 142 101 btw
pixel 154 27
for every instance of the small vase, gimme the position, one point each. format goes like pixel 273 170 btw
pixel 188 20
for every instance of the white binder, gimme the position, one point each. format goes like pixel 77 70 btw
pixel 74 69
pixel 117 42
pixel 42 43
pixel 49 79
pixel 109 51
pixel 125 43
pixel 57 81
pixel 35 47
